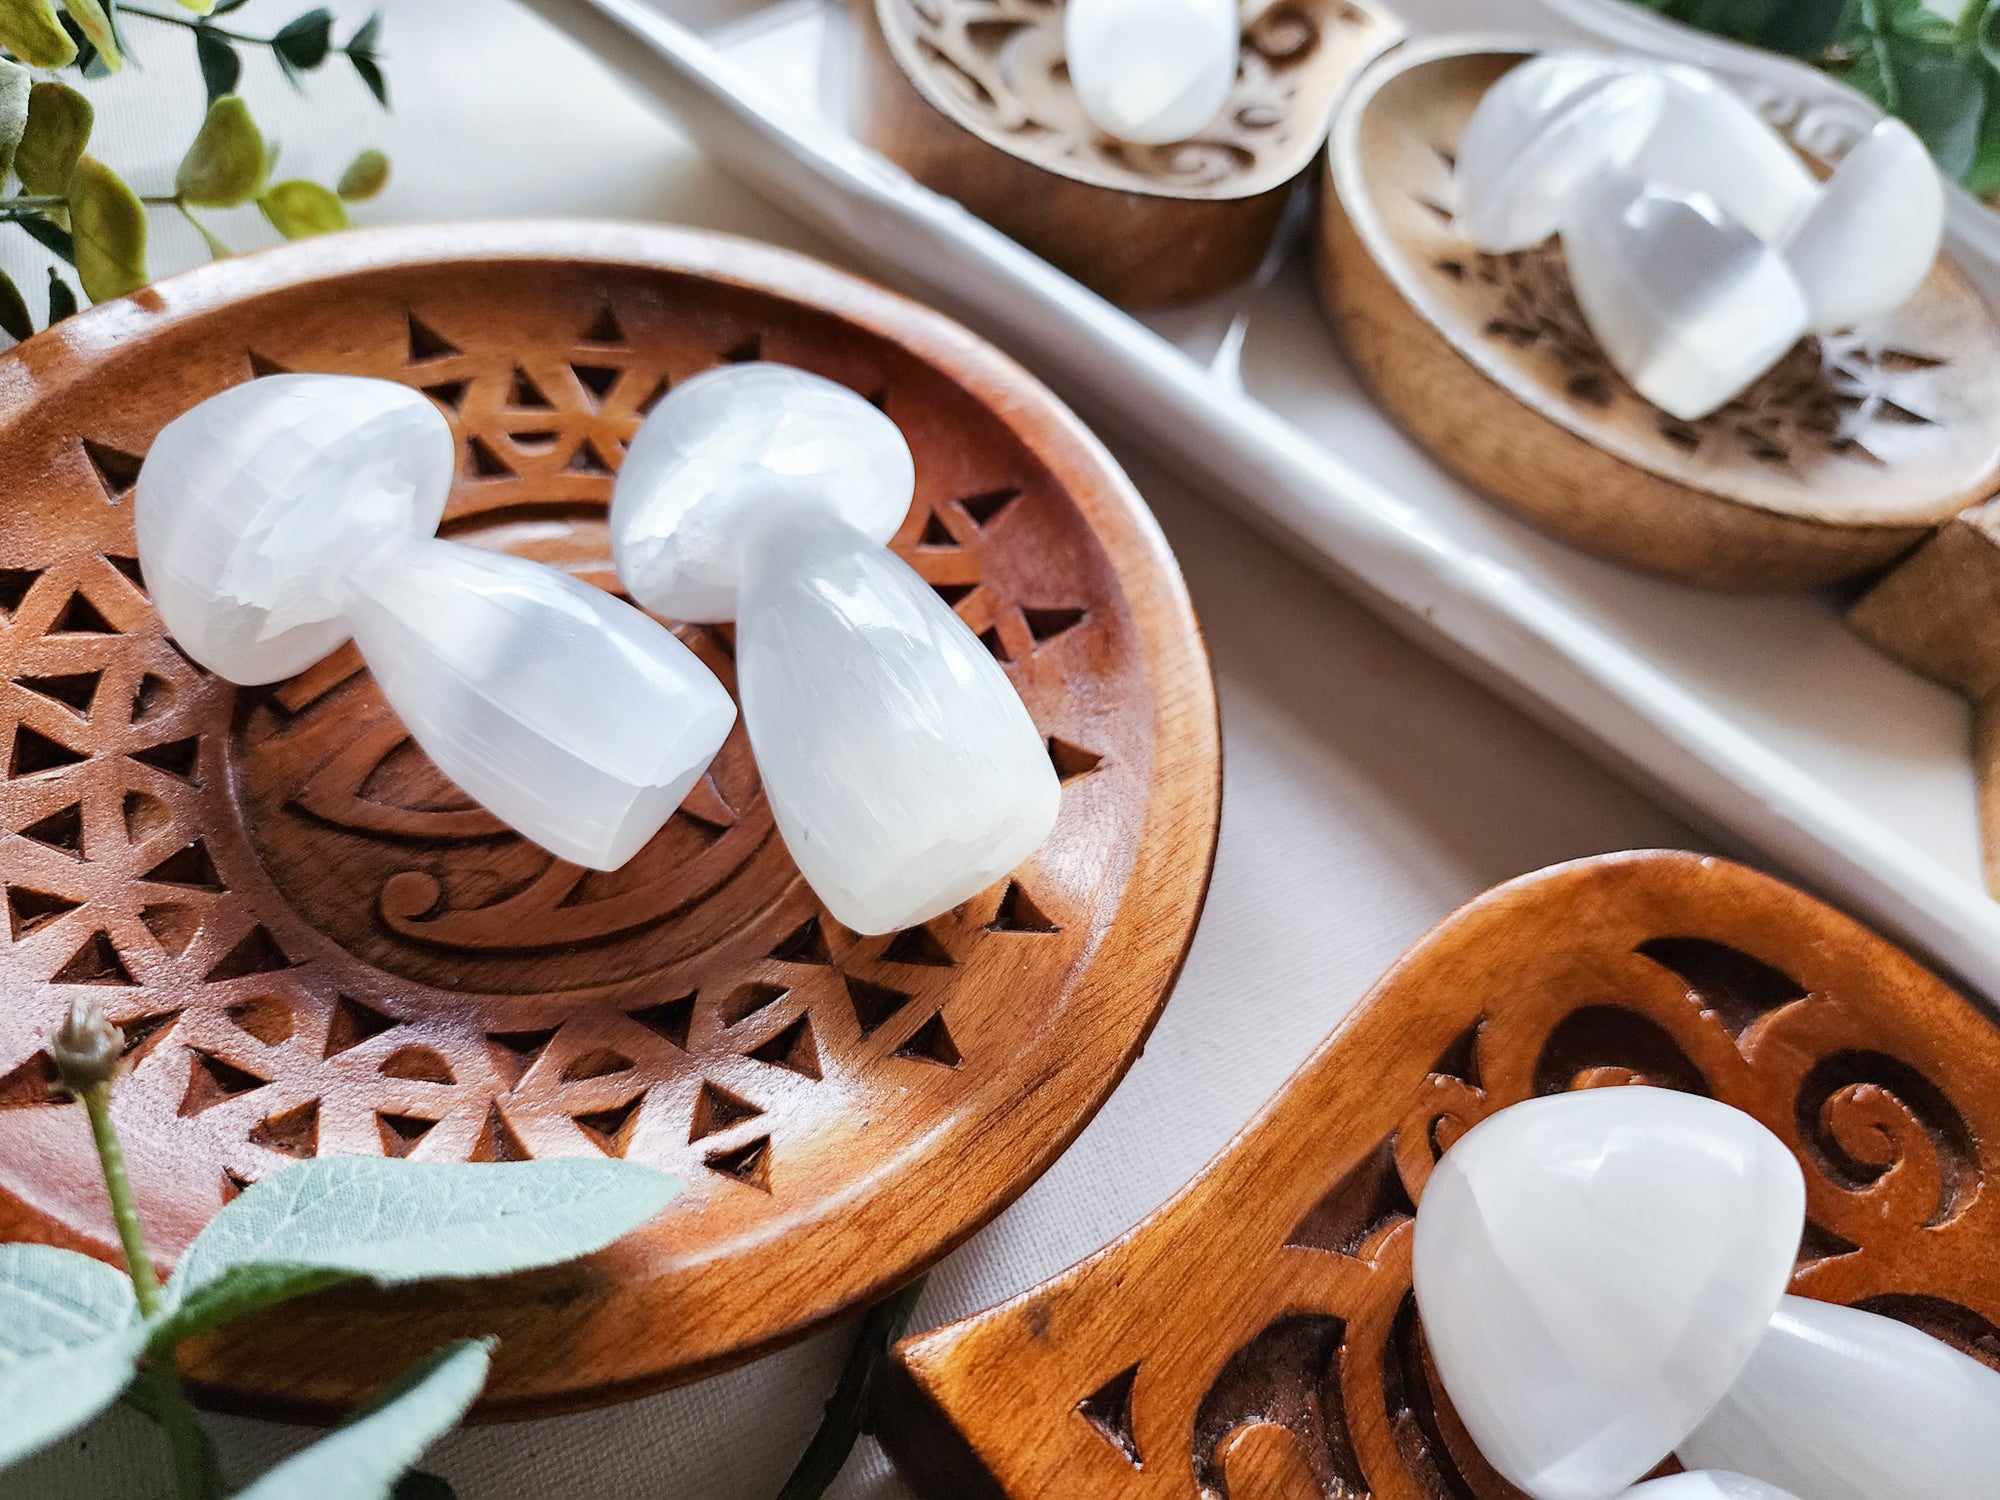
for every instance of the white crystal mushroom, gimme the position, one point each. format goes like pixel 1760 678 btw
pixel 1594 1269
pixel 1841 1404
pixel 903 771
pixel 1151 71
pixel 1700 247
pixel 1706 1484
pixel 1687 304
pixel 284 515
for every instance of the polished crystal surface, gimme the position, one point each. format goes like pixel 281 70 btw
pixel 726 446
pixel 1687 304
pixel 902 768
pixel 1706 1484
pixel 1151 71
pixel 1593 1269
pixel 1700 247
pixel 282 516
pixel 1840 1404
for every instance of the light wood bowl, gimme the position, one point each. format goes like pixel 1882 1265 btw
pixel 1257 1338
pixel 971 98
pixel 1800 482
pixel 316 945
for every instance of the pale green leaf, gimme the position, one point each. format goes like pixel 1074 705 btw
pixel 299 209
pixel 94 21
pixel 199 7
pixel 69 1336
pixel 362 1460
pixel 108 223
pixel 225 165
pixel 365 177
pixel 16 83
pixel 31 31
pixel 387 1220
pixel 58 131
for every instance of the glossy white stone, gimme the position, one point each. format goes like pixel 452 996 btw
pixel 1151 71
pixel 1838 1404
pixel 1687 304
pixel 1871 236
pixel 726 446
pixel 1706 140
pixel 1540 131
pixel 1593 1269
pixel 282 516
pixel 1706 1484
pixel 902 768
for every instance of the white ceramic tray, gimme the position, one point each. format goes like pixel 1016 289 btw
pixel 1761 717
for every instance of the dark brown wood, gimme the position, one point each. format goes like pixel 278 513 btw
pixel 970 98
pixel 316 945
pixel 1839 460
pixel 1256 1337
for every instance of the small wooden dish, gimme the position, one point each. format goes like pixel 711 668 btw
pixel 1256 1338
pixel 316 945
pixel 1836 462
pixel 971 98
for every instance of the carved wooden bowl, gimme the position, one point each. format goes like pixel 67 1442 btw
pixel 315 944
pixel 971 98
pixel 1256 1338
pixel 1840 459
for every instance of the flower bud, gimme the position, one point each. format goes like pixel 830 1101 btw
pixel 86 1047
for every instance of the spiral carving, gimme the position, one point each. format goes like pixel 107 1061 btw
pixel 1873 1124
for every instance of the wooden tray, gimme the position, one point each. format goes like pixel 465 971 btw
pixel 1256 1338
pixel 316 945
pixel 1841 458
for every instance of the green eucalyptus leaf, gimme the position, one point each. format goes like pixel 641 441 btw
pixel 31 30
pixel 365 177
pixel 16 83
pixel 108 223
pixel 49 235
pixel 1982 178
pixel 299 209
pixel 1941 94
pixel 15 319
pixel 363 1459
pixel 93 19
pixel 370 72
pixel 58 131
pixel 368 38
pixel 69 1337
pixel 62 301
pixel 221 68
pixel 388 1220
pixel 225 165
pixel 305 42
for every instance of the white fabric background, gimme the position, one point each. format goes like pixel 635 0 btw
pixel 1368 789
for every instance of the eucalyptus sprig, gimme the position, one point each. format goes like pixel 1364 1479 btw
pixel 76 1336
pixel 81 210
pixel 1934 63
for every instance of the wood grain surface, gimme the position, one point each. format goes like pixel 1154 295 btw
pixel 1256 1338
pixel 972 99
pixel 1834 463
pixel 316 945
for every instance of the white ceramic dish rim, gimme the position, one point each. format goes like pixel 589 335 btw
pixel 1543 652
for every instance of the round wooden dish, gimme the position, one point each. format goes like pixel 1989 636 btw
pixel 316 945
pixel 972 98
pixel 1839 460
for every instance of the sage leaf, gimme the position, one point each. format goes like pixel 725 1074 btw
pixel 225 165
pixel 31 31
pixel 387 1220
pixel 62 301
pixel 94 21
pixel 15 319
pixel 58 131
pixel 69 1336
pixel 16 83
pixel 221 68
pixel 299 209
pixel 365 177
pixel 363 1459
pixel 108 223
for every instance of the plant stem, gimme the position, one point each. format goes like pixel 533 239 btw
pixel 827 1453
pixel 176 1415
pixel 161 16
